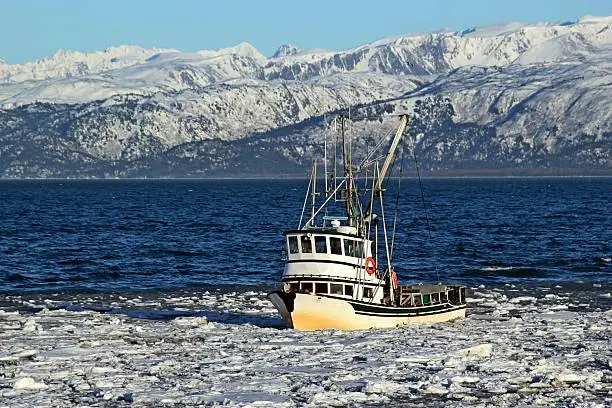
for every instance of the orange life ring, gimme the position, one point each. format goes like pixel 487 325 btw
pixel 370 265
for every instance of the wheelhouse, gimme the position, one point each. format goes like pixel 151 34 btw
pixel 331 263
pixel 309 244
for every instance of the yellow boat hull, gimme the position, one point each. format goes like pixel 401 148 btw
pixel 314 312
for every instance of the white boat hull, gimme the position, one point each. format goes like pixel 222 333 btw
pixel 315 312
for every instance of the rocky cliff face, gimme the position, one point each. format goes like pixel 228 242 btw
pixel 503 96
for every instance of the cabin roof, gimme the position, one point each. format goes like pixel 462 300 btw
pixel 321 231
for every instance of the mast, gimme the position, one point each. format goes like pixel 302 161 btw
pixel 335 157
pixel 348 174
pixel 314 189
pixel 325 161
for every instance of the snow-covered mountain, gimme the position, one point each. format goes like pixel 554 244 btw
pixel 499 96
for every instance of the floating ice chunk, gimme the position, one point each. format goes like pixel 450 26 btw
pixel 191 321
pixel 418 359
pixel 28 383
pixel 30 325
pixel 452 362
pixel 569 377
pixel 559 315
pixel 5 313
pixel 101 370
pixel 481 350
pixel 382 387
pixel 25 354
pixel 528 390
pixel 436 390
pixel 163 366
pixel 524 299
pixel 105 384
pixel 459 379
pixel 497 390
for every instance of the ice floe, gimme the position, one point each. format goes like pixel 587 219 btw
pixel 517 347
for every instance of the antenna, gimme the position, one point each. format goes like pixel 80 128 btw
pixel 325 163
pixel 314 189
pixel 335 157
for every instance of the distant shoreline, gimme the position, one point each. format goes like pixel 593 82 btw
pixel 506 172
pixel 454 173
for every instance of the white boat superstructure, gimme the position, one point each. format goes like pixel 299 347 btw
pixel 330 262
pixel 332 276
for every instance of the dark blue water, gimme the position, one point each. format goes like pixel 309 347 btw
pixel 80 236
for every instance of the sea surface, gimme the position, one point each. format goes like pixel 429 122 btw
pixel 158 235
pixel 153 294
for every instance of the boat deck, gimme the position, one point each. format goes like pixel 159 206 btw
pixel 423 295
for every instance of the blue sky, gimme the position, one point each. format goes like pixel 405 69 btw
pixel 33 29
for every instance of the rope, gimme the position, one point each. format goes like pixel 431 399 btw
pixel 305 200
pixel 399 188
pixel 433 248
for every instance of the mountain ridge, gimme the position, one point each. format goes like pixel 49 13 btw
pixel 522 95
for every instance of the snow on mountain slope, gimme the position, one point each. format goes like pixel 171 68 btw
pixel 73 63
pixel 128 127
pixel 73 77
pixel 437 53
pixel 551 108
pixel 243 49
pixel 165 71
pixel 504 95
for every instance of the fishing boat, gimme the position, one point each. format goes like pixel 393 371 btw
pixel 339 265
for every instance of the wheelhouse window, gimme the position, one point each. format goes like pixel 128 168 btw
pixel 306 286
pixel 348 290
pixel 353 248
pixel 320 245
pixel 306 244
pixel 293 245
pixel 335 289
pixel 320 287
pixel 335 245
pixel 368 293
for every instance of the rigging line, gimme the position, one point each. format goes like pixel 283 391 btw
pixel 399 188
pixel 359 207
pixel 380 193
pixel 305 201
pixel 325 203
pixel 389 266
pixel 335 156
pixel 374 176
pixel 371 161
pixel 366 237
pixel 376 147
pixel 359 225
pixel 433 248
